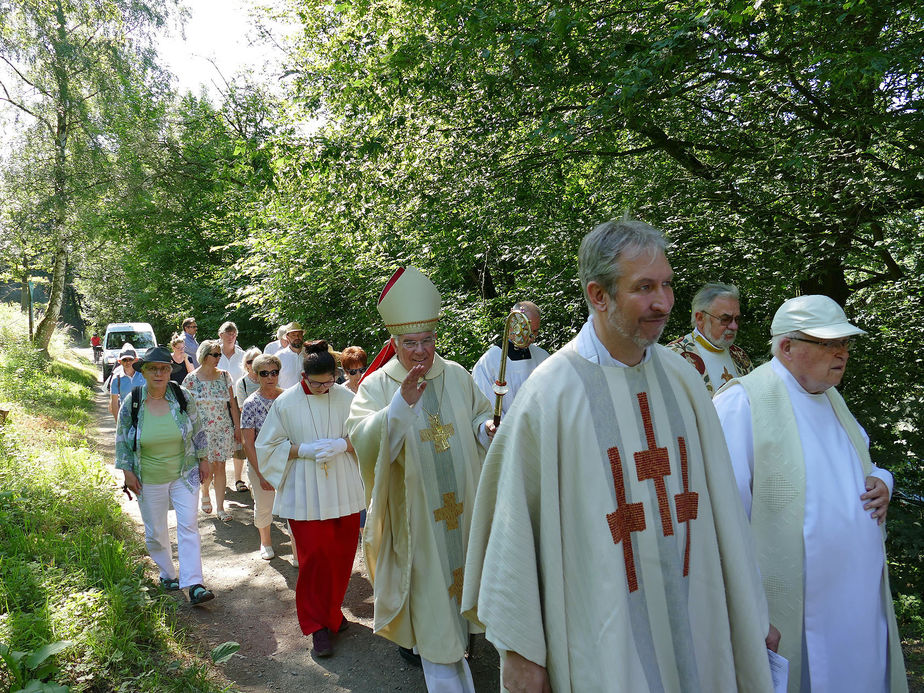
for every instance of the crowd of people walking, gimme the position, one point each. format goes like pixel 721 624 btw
pixel 594 512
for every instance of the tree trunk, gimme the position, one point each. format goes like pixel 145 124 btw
pixel 24 296
pixel 46 326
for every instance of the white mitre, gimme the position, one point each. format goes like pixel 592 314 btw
pixel 409 302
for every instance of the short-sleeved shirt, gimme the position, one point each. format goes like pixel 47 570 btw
pixel 254 411
pixel 122 385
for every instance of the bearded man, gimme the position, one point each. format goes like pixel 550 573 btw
pixel 608 550
pixel 710 347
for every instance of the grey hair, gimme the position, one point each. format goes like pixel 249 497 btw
pixel 227 327
pixel 708 293
pixel 205 348
pixel 281 332
pixel 776 340
pixel 266 359
pixel 252 353
pixel 602 248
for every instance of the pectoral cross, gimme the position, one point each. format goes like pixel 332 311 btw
pixel 449 512
pixel 438 434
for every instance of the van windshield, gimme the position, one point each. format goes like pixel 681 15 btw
pixel 139 340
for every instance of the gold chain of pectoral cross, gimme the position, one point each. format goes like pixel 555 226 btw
pixel 317 435
pixel 438 433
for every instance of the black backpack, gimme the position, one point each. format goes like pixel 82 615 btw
pixel 136 404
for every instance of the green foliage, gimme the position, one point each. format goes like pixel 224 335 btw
pixel 71 563
pixel 28 670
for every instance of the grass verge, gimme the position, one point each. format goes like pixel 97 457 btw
pixel 71 564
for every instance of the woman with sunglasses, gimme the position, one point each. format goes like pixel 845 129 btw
pixel 304 452
pixel 353 361
pixel 253 414
pixel 212 390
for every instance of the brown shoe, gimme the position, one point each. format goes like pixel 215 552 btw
pixel 321 645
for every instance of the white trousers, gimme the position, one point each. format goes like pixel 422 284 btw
pixel 448 678
pixel 154 502
pixel 262 501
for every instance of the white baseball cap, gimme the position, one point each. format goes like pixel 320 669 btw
pixel 814 315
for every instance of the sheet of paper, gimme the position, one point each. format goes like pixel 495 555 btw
pixel 779 671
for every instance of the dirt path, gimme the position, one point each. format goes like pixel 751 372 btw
pixel 255 606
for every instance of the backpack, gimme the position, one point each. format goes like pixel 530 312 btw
pixel 135 398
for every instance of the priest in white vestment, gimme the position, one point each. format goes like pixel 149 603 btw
pixel 710 347
pixel 608 551
pixel 291 356
pixel 816 504
pixel 420 427
pixel 523 357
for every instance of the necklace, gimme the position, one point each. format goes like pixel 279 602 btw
pixel 317 434
pixel 438 433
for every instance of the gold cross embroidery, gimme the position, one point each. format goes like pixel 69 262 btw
pixel 455 589
pixel 449 512
pixel 437 433
pixel 726 376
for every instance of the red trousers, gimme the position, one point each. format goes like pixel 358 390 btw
pixel 326 549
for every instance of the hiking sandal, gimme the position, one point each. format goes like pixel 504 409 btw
pixel 198 594
pixel 170 584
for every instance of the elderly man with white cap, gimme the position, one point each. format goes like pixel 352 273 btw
pixel 420 428
pixel 816 503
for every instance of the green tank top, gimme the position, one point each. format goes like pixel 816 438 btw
pixel 161 448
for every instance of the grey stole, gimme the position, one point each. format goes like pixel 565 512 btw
pixel 676 587
pixel 438 479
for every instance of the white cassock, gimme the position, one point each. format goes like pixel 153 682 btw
pixel 486 370
pixel 292 366
pixel 845 632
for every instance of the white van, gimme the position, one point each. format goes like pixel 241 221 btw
pixel 139 334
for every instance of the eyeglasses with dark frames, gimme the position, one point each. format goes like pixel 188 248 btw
pixel 725 320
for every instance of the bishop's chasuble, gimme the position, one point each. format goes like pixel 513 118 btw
pixel 419 504
pixel 607 542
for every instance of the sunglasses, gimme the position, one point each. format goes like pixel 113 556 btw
pixel 266 374
pixel 216 354
pixel 355 371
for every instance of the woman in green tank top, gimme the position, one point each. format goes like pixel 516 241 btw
pixel 161 449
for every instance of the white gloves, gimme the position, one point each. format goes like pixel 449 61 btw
pixel 329 447
pixel 309 450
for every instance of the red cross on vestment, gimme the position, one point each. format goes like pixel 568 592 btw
pixel 628 518
pixel 686 503
pixel 654 463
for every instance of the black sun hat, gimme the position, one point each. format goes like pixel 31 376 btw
pixel 155 355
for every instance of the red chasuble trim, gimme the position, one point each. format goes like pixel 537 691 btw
pixel 628 518
pixel 655 464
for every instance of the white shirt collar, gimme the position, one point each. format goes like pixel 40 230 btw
pixel 591 348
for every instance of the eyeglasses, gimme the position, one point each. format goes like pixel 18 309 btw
pixel 411 345
pixel 158 370
pixel 830 344
pixel 355 371
pixel 725 319
pixel 267 374
pixel 326 383
pixel 216 354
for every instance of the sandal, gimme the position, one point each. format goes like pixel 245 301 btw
pixel 240 486
pixel 223 515
pixel 207 505
pixel 198 594
pixel 170 584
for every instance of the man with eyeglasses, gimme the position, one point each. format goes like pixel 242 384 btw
pixel 710 347
pixel 190 345
pixel 816 504
pixel 522 359
pixel 291 356
pixel 420 428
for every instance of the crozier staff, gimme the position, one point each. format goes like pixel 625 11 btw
pixel 161 451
